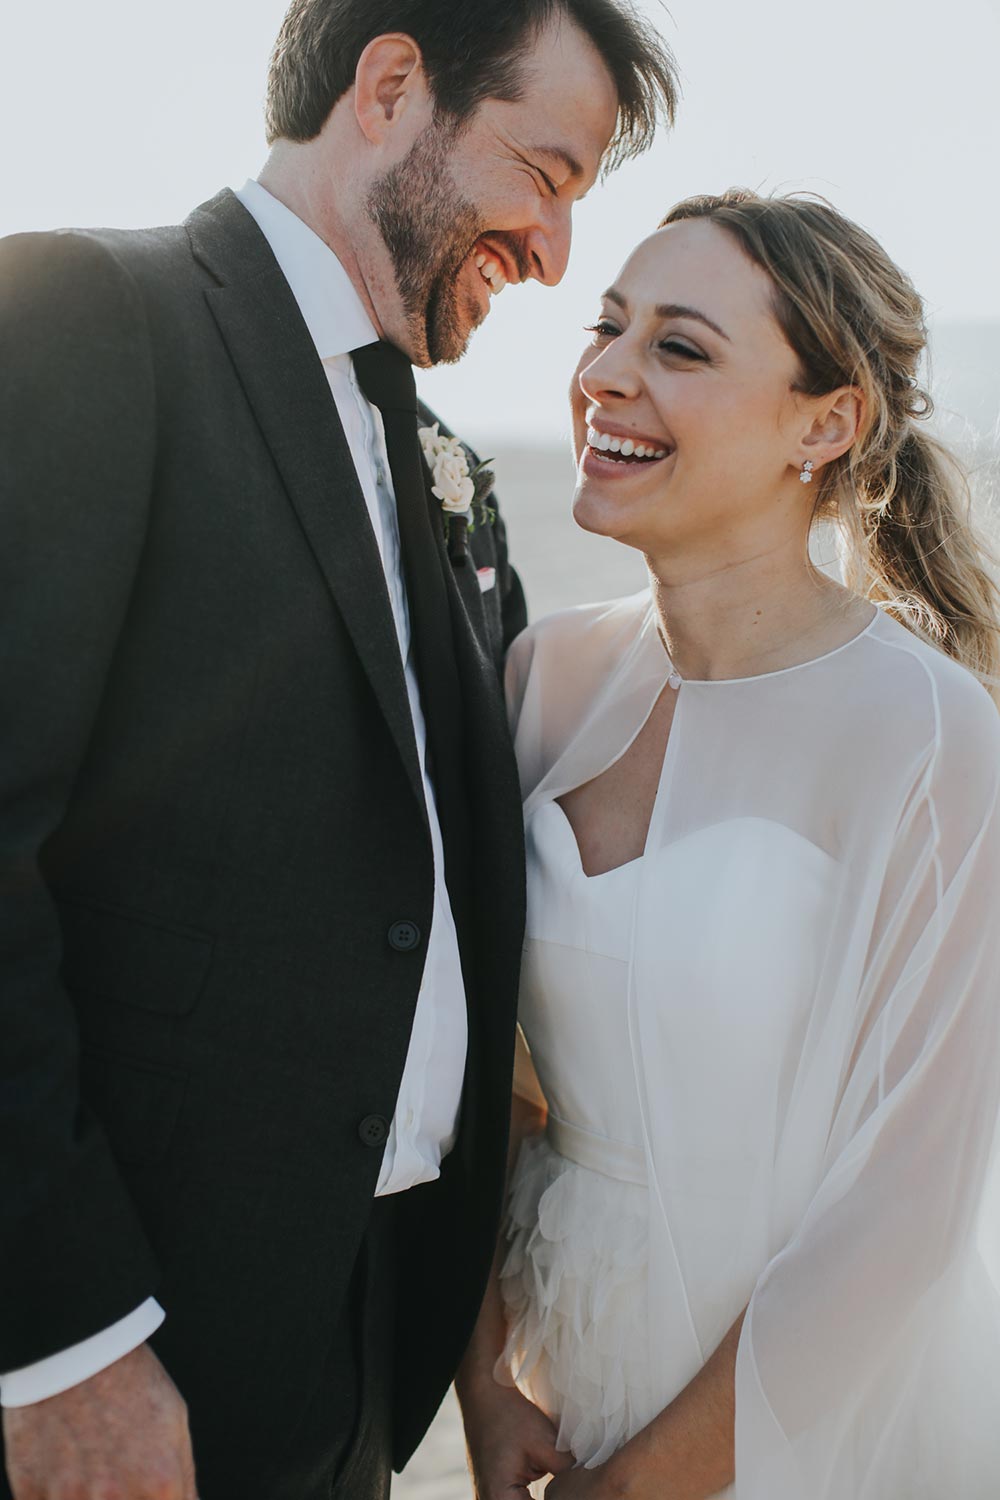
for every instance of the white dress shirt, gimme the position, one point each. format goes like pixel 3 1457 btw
pixel 424 1125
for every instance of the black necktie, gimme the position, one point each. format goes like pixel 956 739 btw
pixel 386 378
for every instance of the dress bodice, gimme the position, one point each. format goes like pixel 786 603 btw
pixel 574 982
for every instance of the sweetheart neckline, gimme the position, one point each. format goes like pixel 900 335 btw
pixel 571 835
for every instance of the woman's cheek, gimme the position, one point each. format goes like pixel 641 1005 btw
pixel 578 403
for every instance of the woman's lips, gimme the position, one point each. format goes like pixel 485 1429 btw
pixel 627 445
pixel 598 465
pixel 619 454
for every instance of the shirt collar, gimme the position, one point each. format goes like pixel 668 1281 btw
pixel 327 299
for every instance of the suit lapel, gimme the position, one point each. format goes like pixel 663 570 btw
pixel 285 385
pixel 490 763
pixel 486 803
pixel 284 381
pixel 496 838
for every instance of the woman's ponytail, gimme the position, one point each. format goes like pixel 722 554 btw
pixel 913 549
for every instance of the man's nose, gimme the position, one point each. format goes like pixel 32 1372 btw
pixel 548 247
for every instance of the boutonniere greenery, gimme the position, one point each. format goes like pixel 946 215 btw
pixel 461 491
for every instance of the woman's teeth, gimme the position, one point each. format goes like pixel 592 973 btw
pixel 491 273
pixel 603 442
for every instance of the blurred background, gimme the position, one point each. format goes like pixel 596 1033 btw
pixel 118 112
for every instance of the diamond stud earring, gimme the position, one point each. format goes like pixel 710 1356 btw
pixel 806 473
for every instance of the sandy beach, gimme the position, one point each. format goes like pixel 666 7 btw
pixel 438 1470
pixel 559 564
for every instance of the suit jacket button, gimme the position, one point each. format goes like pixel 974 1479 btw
pixel 404 936
pixel 373 1130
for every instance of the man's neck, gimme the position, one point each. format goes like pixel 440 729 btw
pixel 293 178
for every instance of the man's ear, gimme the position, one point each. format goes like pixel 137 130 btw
pixel 837 420
pixel 389 83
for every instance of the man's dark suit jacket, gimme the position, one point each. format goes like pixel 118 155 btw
pixel 211 825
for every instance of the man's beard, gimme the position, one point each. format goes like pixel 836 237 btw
pixel 429 230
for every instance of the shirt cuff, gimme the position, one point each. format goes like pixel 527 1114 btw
pixel 60 1372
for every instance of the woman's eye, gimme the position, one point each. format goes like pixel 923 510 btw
pixel 684 351
pixel 602 329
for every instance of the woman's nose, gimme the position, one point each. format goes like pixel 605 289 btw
pixel 611 373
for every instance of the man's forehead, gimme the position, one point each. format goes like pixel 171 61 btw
pixel 570 95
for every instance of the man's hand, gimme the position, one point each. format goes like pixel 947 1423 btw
pixel 123 1433
pixel 511 1442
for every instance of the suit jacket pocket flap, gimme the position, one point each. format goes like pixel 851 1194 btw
pixel 131 958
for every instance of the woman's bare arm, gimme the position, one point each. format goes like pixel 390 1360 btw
pixel 686 1453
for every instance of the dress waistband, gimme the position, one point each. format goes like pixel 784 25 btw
pixel 597 1152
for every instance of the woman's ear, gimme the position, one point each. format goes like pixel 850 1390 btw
pixel 837 420
pixel 389 83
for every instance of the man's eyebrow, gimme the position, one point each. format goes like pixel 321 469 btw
pixel 561 155
pixel 673 310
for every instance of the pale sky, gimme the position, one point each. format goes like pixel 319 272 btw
pixel 122 112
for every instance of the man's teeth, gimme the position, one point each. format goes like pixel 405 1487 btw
pixel 491 273
pixel 603 442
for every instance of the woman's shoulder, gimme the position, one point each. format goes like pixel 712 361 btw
pixel 922 690
pixel 606 627
pixel 556 666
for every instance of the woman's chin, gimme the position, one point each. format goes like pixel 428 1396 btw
pixel 601 515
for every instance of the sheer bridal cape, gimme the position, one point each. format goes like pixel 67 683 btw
pixel 814 1023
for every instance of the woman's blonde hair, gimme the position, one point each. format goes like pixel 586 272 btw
pixel 900 498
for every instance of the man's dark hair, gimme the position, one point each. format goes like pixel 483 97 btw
pixel 471 53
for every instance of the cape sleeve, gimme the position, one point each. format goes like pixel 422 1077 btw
pixel 560 676
pixel 531 705
pixel 842 1316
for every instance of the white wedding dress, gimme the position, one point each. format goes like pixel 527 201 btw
pixel 770 1049
pixel 574 1280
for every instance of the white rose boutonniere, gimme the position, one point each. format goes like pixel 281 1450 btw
pixel 459 489
pixel 452 483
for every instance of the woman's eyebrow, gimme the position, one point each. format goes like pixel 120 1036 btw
pixel 672 310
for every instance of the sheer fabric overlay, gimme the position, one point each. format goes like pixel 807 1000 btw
pixel 814 1027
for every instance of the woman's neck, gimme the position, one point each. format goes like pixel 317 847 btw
pixel 761 614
